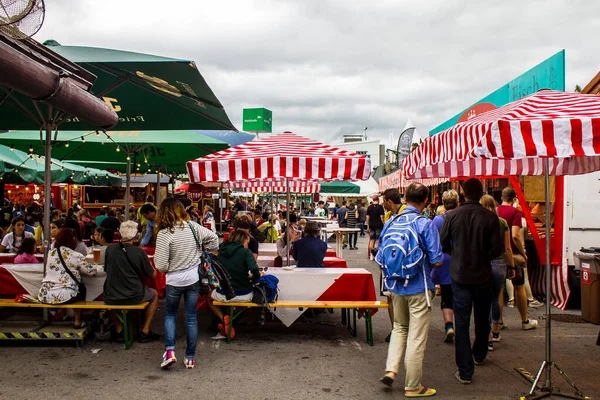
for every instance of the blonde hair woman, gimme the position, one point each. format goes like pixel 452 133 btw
pixel 499 272
pixel 179 246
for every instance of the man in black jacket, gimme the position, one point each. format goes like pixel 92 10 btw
pixel 471 234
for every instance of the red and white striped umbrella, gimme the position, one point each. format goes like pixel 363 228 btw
pixel 514 139
pixel 281 156
pixel 274 185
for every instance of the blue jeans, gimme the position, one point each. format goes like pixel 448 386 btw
pixel 361 225
pixel 190 299
pixel 498 277
pixel 465 299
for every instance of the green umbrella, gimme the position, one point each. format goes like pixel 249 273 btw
pixel 20 167
pixel 147 92
pixel 339 187
pixel 166 151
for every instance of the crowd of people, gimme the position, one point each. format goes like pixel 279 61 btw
pixel 472 248
pixel 468 250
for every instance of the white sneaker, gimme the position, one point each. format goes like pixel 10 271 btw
pixel 535 304
pixel 371 257
pixel 219 336
pixel 531 324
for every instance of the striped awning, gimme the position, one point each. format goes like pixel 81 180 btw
pixel 280 156
pixel 274 185
pixel 515 139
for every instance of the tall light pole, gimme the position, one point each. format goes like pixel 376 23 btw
pixel 365 133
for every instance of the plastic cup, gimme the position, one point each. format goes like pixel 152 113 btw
pixel 96 256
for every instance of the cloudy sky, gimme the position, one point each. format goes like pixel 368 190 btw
pixel 330 67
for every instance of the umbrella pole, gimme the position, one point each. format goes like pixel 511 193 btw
pixel 287 222
pixel 158 188
pixel 127 188
pixel 47 187
pixel 547 389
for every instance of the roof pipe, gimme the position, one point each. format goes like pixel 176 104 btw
pixel 40 83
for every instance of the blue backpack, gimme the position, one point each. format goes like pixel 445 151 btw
pixel 400 255
pixel 265 290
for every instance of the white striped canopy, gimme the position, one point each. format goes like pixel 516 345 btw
pixel 281 156
pixel 274 185
pixel 514 140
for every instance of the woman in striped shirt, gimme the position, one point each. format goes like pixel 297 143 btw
pixel 178 252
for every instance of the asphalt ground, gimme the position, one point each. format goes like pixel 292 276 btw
pixel 316 358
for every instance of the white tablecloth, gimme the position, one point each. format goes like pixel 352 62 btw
pixel 30 277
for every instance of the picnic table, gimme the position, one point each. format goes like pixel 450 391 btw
pixel 270 250
pixel 339 235
pixel 321 284
pixel 330 262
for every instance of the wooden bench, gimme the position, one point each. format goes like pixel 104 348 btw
pixel 345 306
pixel 89 305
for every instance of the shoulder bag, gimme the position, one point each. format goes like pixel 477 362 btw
pixel 81 289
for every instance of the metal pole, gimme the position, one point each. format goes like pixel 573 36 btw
pixel 287 222
pixel 548 383
pixel 47 186
pixel 127 187
pixel 158 188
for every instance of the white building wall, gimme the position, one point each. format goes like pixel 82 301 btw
pixel 369 148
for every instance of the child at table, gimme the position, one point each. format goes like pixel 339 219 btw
pixel 25 255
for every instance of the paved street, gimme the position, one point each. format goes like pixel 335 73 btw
pixel 316 358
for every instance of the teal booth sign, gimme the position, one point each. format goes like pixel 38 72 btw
pixel 549 74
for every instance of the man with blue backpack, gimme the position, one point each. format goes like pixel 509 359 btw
pixel 409 246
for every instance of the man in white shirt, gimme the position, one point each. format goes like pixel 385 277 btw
pixel 320 211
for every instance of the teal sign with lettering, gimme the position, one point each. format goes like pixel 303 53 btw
pixel 549 74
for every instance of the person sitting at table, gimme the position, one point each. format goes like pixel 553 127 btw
pixel 55 226
pixel 238 260
pixel 96 235
pixel 125 265
pixel 243 224
pixel 72 224
pixel 111 221
pixel 26 254
pixel 62 286
pixel 309 252
pixel 16 233
pixel 148 235
pixel 102 241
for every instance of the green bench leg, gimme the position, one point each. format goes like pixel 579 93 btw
pixel 369 326
pixel 232 317
pixel 127 329
pixel 344 317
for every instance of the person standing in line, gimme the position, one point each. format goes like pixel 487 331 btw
pixel 342 219
pixel 471 235
pixel 392 204
pixel 441 276
pixel 513 218
pixel 411 299
pixel 362 217
pixel 179 246
pixel 351 222
pixel 374 221
pixel 499 273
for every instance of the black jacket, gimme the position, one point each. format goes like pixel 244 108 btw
pixel 471 235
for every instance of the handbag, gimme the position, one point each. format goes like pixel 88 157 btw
pixel 81 289
pixel 207 282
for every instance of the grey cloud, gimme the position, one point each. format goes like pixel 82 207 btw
pixel 326 68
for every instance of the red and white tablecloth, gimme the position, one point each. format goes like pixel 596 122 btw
pixel 18 279
pixel 321 284
pixel 270 249
pixel 330 262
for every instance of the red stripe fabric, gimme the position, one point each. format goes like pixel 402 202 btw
pixel 506 139
pixel 576 137
pixel 530 148
pixel 288 148
pixel 548 137
pixel 596 135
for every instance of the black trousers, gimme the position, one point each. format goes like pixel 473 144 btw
pixel 467 298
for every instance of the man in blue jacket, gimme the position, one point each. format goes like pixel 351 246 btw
pixel 309 252
pixel 411 298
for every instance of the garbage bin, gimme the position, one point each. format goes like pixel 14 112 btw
pixel 589 265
